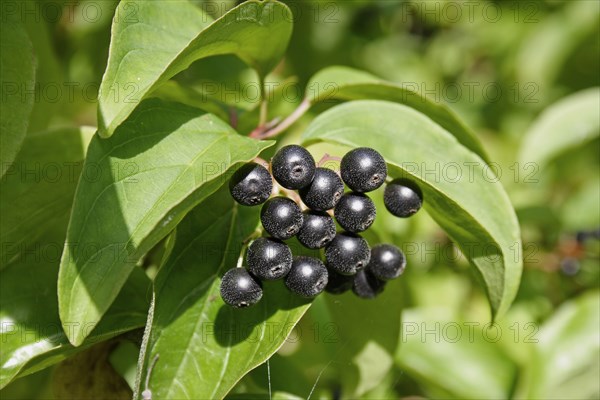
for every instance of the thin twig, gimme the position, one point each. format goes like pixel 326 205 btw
pixel 286 123
pixel 233 117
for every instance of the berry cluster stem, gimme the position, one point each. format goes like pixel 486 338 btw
pixel 245 243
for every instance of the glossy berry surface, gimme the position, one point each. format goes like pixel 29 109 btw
pixel 338 283
pixel 251 184
pixel 347 253
pixel 366 285
pixel 387 261
pixel 269 258
pixel 324 192
pixel 402 198
pixel 293 167
pixel 318 229
pixel 281 217
pixel 363 169
pixel 240 289
pixel 308 276
pixel 355 212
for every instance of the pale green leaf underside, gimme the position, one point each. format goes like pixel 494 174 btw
pixel 569 123
pixel 205 346
pixel 475 212
pixel 17 72
pixel 134 189
pixel 161 39
pixel 344 83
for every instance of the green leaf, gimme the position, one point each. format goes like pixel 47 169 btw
pixel 453 359
pixel 160 39
pixel 565 360
pixel 48 74
pixel 17 74
pixel 571 122
pixel 364 345
pixel 134 189
pixel 343 83
pixel 37 195
pixel 38 188
pixel 205 346
pixel 472 207
pixel 331 335
pixel 32 336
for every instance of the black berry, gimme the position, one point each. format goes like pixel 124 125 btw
pixel 366 285
pixel 324 192
pixel 363 169
pixel 308 276
pixel 347 253
pixel 281 217
pixel 387 262
pixel 338 283
pixel 251 184
pixel 240 289
pixel 402 198
pixel 355 212
pixel 318 229
pixel 293 167
pixel 269 258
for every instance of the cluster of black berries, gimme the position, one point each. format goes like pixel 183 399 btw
pixel 349 262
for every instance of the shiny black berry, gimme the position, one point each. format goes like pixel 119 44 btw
pixel 402 198
pixel 308 276
pixel 269 258
pixel 251 184
pixel 387 261
pixel 366 285
pixel 293 167
pixel 240 289
pixel 355 212
pixel 318 229
pixel 347 253
pixel 281 217
pixel 324 192
pixel 338 283
pixel 363 169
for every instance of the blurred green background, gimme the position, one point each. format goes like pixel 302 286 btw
pixel 525 77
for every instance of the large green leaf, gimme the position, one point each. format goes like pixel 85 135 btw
pixel 453 359
pixel 343 83
pixel 32 336
pixel 38 188
pixel 467 201
pixel 571 122
pixel 205 346
pixel 160 39
pixel 17 75
pixel 134 189
pixel 565 361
